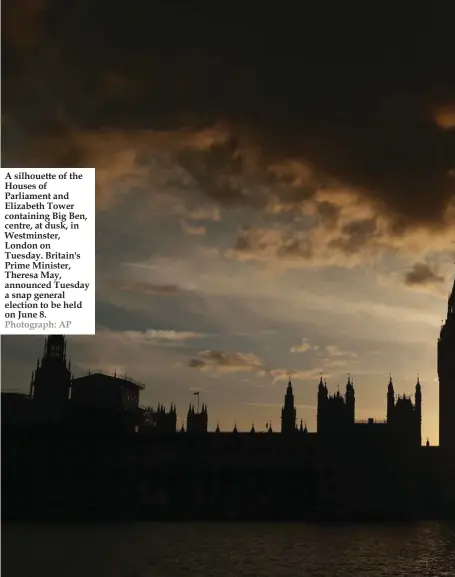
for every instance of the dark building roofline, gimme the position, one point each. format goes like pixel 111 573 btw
pixel 123 378
pixel 14 393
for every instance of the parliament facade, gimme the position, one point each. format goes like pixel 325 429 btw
pixel 93 432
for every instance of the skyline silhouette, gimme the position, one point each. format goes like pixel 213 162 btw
pixel 307 413
pixel 79 431
pixel 54 391
pixel 275 193
pixel 271 386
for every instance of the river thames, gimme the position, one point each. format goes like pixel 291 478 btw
pixel 229 550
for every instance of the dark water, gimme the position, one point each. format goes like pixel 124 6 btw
pixel 229 550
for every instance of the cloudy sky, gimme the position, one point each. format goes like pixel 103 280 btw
pixel 274 193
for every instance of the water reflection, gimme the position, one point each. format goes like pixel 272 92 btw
pixel 221 550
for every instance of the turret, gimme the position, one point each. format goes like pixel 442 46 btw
pixel 321 388
pixel 451 301
pixel 350 400
pixel 446 374
pixel 321 416
pixel 197 422
pixel 390 400
pixel 418 410
pixel 51 380
pixel 288 411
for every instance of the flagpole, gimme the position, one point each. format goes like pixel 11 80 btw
pixel 197 393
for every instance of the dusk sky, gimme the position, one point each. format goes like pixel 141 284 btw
pixel 275 194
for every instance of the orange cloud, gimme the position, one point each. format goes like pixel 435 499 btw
pixel 125 160
pixel 345 229
pixel 445 117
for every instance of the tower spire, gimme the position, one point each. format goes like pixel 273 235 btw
pixel 288 412
pixel 51 380
pixel 321 384
pixel 446 374
pixel 451 302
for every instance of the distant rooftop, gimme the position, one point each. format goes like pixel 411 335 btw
pixel 370 421
pixel 15 393
pixel 116 376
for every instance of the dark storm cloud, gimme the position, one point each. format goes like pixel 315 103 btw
pixel 422 274
pixel 356 234
pixel 358 96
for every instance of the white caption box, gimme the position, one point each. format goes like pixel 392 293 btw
pixel 47 254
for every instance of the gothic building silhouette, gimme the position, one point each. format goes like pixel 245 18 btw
pixel 159 419
pixel 446 374
pixel 336 412
pixel 51 380
pixel 336 415
pixel 54 389
pixel 288 412
pixel 104 454
pixel 197 421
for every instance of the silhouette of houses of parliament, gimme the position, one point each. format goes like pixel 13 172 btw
pixel 105 391
pixel 336 414
pixel 51 380
pixel 446 374
pixel 335 417
pixel 55 393
pixel 197 421
pixel 347 469
pixel 159 419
